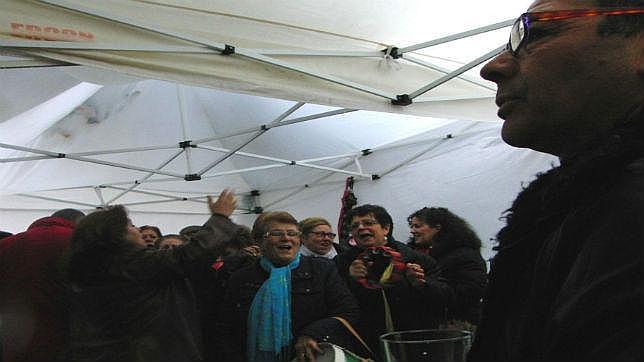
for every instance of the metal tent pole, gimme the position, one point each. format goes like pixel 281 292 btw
pixel 137 183
pixel 99 194
pixel 57 200
pixel 465 34
pixel 230 152
pixel 184 129
pixel 287 162
pixel 170 197
pixel 252 138
pixel 447 71
pixel 89 160
pixel 220 47
pixel 280 124
pixel 297 191
pixel 456 72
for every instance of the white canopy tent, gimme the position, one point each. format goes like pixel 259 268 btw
pixel 159 147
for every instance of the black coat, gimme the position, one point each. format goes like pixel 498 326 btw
pixel 465 272
pixel 569 284
pixel 317 295
pixel 411 308
pixel 144 307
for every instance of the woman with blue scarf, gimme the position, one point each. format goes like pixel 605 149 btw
pixel 280 307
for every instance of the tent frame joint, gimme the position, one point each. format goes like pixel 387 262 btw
pixel 192 177
pixel 228 50
pixel 186 144
pixel 393 52
pixel 61 155
pixel 366 151
pixel 375 177
pixel 402 100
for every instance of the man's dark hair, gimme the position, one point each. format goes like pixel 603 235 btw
pixel 454 231
pixel 190 230
pixel 5 234
pixel 72 215
pixel 379 213
pixel 165 237
pixel 625 25
pixel 96 239
pixel 153 228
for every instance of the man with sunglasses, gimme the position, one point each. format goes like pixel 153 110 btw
pixel 567 282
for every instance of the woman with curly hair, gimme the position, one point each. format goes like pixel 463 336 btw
pixel 450 240
pixel 132 303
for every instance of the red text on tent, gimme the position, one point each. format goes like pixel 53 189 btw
pixel 38 32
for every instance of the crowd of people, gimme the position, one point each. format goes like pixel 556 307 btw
pixel 565 284
pixel 224 292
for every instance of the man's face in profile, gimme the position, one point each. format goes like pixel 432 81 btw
pixel 566 84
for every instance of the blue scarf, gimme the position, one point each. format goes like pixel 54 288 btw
pixel 269 318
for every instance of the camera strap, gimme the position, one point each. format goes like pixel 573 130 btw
pixel 389 322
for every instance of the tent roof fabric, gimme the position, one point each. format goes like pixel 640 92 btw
pixel 90 127
pixel 183 41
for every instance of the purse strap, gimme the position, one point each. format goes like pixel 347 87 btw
pixel 355 333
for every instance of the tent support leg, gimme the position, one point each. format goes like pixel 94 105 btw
pixel 99 194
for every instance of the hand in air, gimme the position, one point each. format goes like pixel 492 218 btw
pixel 225 203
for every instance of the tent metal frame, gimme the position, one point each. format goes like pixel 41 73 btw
pixel 206 46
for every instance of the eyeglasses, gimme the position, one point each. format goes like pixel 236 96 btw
pixel 282 233
pixel 520 33
pixel 322 234
pixel 365 223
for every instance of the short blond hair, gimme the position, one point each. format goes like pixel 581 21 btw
pixel 263 222
pixel 307 225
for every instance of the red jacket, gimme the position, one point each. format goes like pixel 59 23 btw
pixel 32 307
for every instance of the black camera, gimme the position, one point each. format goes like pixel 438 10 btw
pixel 380 259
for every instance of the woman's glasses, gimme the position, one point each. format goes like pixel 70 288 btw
pixel 365 223
pixel 322 234
pixel 282 233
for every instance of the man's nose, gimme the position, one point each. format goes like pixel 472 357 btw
pixel 502 67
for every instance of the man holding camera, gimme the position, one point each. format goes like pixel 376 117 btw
pixel 388 278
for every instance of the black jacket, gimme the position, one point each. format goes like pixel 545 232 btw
pixel 568 281
pixel 144 307
pixel 465 273
pixel 317 295
pixel 411 308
